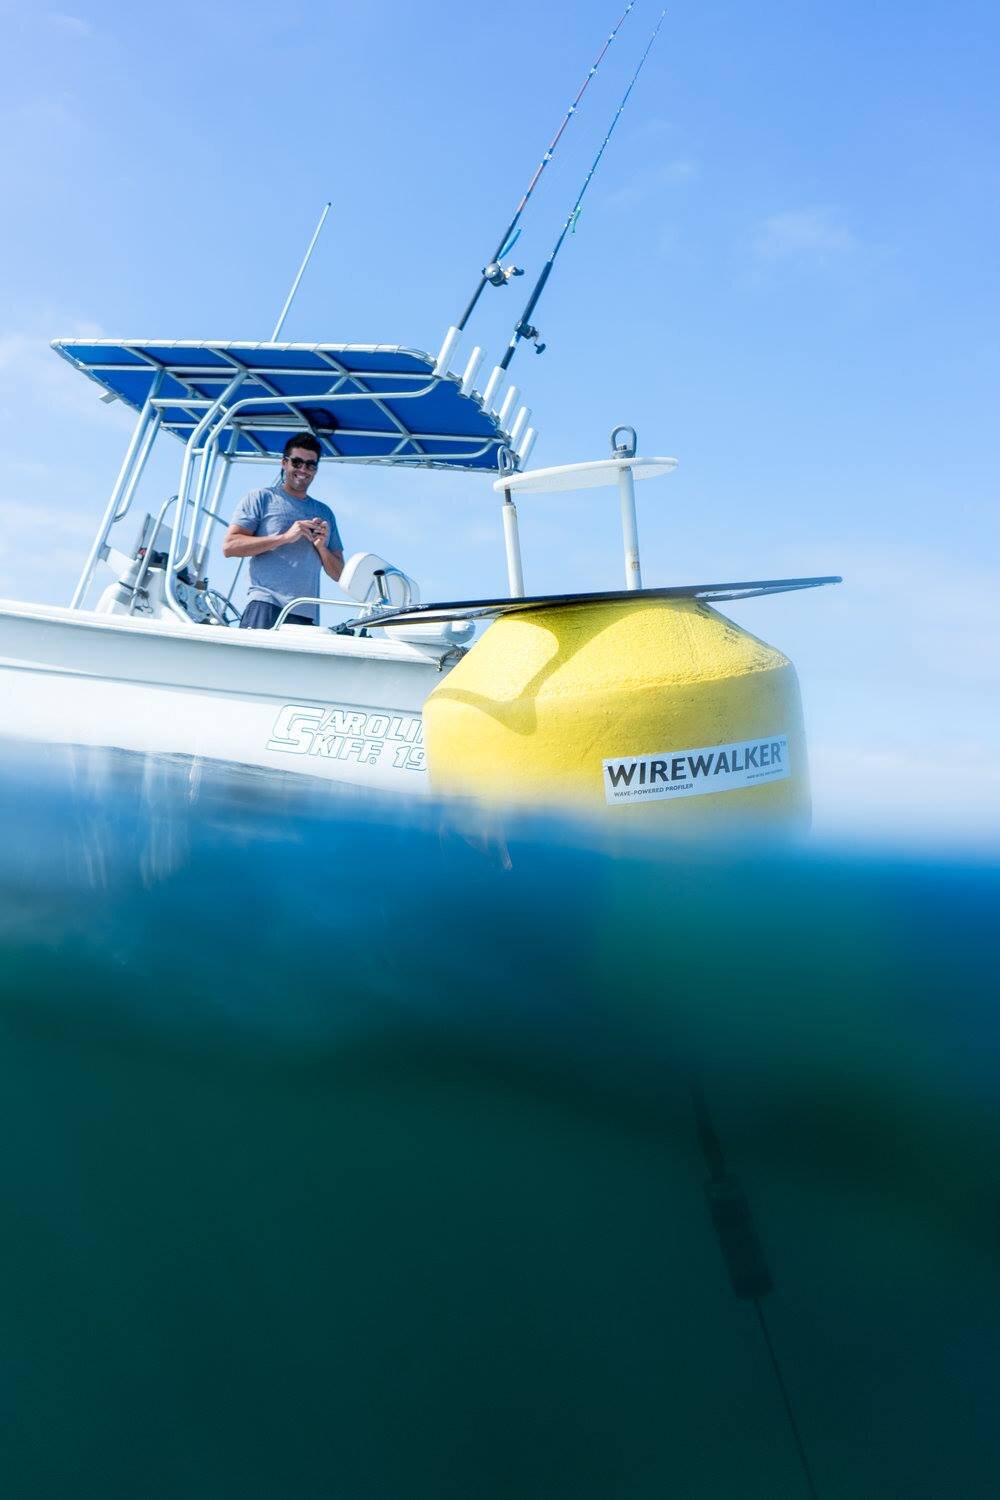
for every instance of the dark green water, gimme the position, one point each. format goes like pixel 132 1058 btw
pixel 343 1156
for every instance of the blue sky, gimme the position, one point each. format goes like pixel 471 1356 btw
pixel 785 274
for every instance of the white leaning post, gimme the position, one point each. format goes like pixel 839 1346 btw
pixel 512 540
pixel 626 489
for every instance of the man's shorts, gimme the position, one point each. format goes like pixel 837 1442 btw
pixel 260 615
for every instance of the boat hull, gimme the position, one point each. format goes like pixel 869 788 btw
pixel 344 708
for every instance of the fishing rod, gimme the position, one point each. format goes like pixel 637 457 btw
pixel 523 329
pixel 493 272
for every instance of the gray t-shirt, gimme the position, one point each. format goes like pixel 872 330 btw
pixel 292 571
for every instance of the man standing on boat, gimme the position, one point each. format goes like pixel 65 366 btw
pixel 288 536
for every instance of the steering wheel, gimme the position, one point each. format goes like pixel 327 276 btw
pixel 222 610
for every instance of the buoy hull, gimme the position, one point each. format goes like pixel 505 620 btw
pixel 644 710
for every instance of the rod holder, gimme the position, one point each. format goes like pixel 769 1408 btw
pixel 446 351
pixel 518 426
pixel 492 386
pixel 472 370
pixel 527 443
pixel 509 402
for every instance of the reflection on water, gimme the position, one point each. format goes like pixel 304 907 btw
pixel 354 1154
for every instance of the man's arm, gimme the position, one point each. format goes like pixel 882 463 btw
pixel 333 562
pixel 238 542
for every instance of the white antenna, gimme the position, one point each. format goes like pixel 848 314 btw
pixel 295 284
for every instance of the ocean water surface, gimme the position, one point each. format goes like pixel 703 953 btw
pixel 365 1151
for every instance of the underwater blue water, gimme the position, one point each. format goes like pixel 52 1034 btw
pixel 365 1151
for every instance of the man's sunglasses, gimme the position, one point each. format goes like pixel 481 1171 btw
pixel 304 463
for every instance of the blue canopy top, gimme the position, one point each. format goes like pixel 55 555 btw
pixel 366 403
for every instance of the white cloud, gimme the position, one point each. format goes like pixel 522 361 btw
pixel 20 524
pixel 70 25
pixel 52 424
pixel 900 678
pixel 402 524
pixel 33 378
pixel 42 546
pixel 938 615
pixel 651 182
pixel 940 790
pixel 398 523
pixel 653 128
pixel 910 620
pixel 803 234
pixel 36 123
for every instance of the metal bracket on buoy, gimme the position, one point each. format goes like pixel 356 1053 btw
pixel 626 488
pixel 622 468
pixel 507 464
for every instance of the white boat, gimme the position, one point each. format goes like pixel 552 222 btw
pixel 642 699
pixel 153 663
pixel 156 664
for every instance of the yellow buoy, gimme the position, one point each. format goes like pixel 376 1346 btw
pixel 644 709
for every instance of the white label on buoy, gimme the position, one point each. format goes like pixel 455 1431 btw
pixel 693 773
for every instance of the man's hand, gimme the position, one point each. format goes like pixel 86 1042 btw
pixel 303 531
pixel 239 542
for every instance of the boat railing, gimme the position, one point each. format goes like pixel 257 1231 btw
pixel 370 603
pixel 147 561
pixel 447 636
pixel 289 608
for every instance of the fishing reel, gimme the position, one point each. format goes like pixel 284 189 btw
pixel 498 275
pixel 531 334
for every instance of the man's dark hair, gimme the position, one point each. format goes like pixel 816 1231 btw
pixel 303 440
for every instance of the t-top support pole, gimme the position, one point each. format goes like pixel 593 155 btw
pixel 146 427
